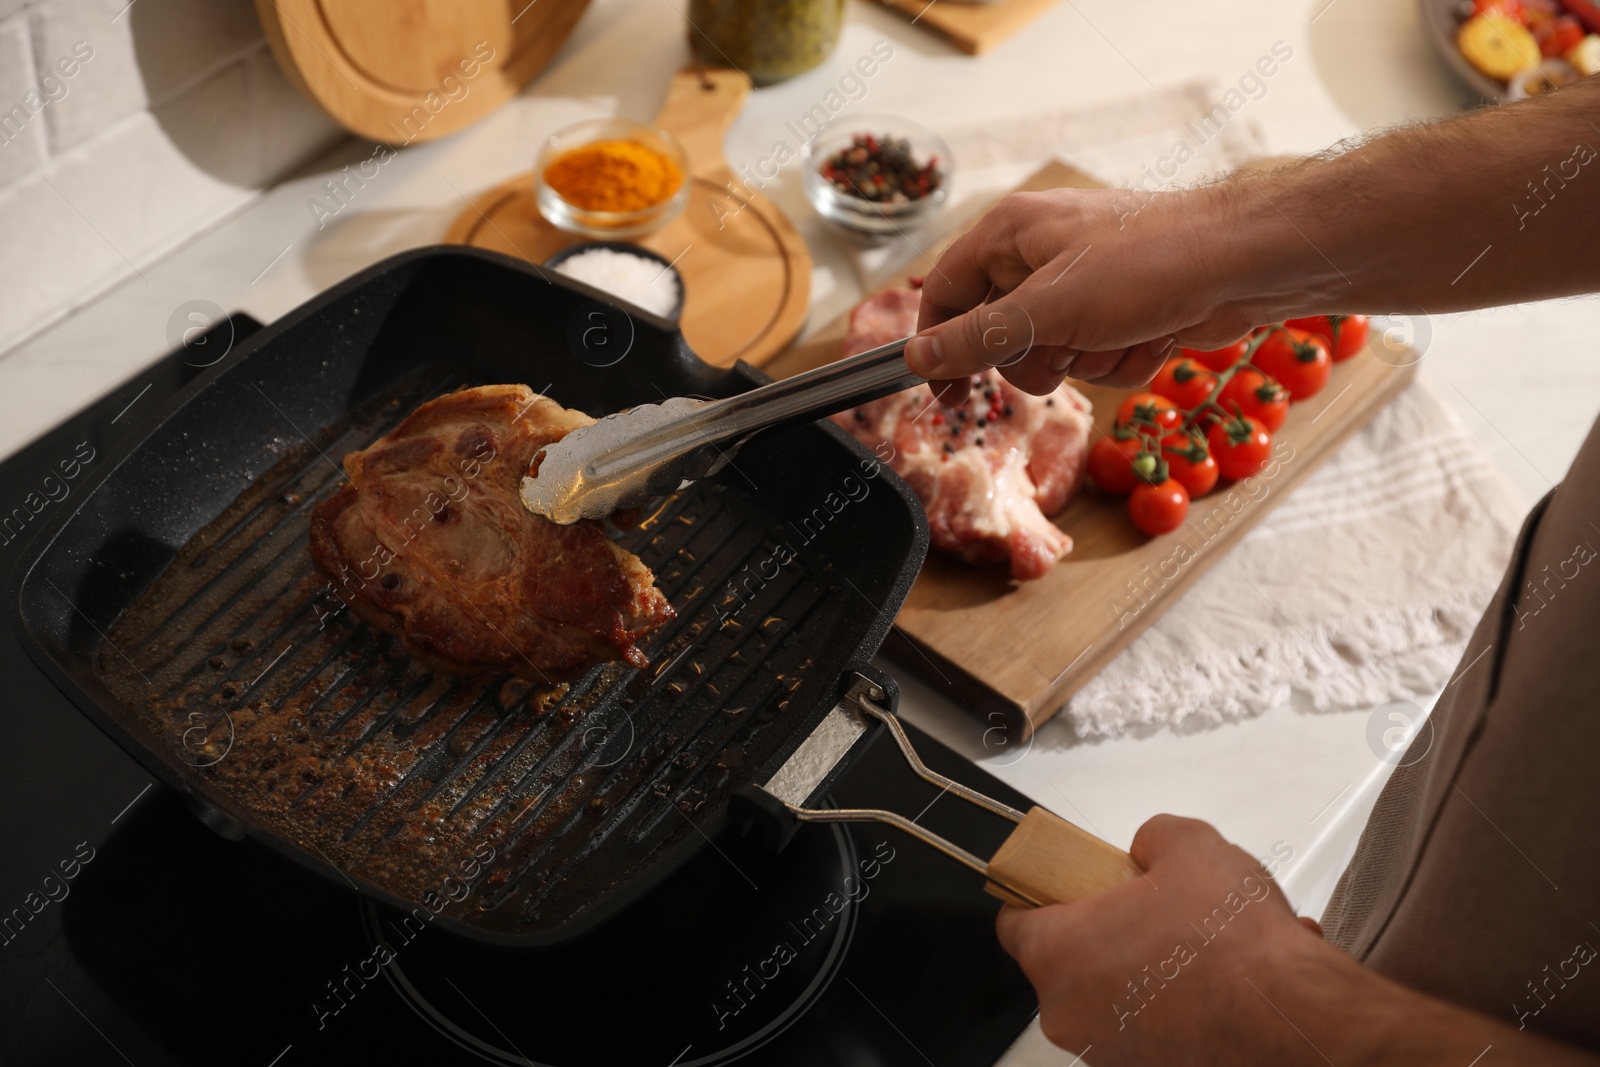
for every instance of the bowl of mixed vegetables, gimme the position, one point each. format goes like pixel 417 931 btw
pixel 1513 49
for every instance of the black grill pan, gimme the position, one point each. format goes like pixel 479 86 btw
pixel 175 604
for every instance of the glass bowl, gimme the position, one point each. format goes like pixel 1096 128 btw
pixel 667 269
pixel 857 213
pixel 608 224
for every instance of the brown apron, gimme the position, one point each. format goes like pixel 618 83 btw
pixel 1477 879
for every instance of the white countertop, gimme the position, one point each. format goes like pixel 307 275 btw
pixel 1523 379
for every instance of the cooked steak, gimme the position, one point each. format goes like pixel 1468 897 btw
pixel 989 472
pixel 429 541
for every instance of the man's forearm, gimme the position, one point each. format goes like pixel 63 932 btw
pixel 1496 207
pixel 1349 1014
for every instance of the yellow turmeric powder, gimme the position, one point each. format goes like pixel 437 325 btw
pixel 613 176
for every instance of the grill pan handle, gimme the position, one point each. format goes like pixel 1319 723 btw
pixel 1046 859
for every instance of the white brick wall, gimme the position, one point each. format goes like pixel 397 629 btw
pixel 124 130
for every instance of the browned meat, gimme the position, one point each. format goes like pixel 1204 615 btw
pixel 429 541
pixel 990 472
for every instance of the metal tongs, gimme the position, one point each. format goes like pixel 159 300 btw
pixel 629 458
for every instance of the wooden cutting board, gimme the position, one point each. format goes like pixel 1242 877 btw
pixel 413 70
pixel 1014 652
pixel 973 28
pixel 746 270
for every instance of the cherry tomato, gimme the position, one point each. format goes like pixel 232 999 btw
pixel 1299 360
pixel 1346 334
pixel 1558 36
pixel 1111 464
pixel 1217 359
pixel 1184 382
pixel 1536 13
pixel 1241 445
pixel 1250 392
pixel 1149 413
pixel 1189 462
pixel 1512 9
pixel 1158 508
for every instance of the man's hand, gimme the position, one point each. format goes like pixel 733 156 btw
pixel 1062 284
pixel 1203 961
pixel 1189 953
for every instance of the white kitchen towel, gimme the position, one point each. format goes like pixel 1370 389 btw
pixel 1364 584
pixel 1360 587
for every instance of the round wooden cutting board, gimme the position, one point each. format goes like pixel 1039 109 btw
pixel 412 70
pixel 746 271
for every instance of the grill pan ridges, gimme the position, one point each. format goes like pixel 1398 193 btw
pixel 229 456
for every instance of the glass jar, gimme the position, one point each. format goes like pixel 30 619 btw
pixel 769 40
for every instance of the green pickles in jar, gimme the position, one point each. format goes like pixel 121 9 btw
pixel 769 40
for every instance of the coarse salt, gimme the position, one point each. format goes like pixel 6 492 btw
pixel 640 281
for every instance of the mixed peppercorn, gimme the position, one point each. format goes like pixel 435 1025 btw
pixel 989 400
pixel 882 170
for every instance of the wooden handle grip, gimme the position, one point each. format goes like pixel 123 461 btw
pixel 1047 860
pixel 700 107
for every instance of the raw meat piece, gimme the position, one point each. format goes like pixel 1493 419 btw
pixel 881 318
pixel 990 472
pixel 429 541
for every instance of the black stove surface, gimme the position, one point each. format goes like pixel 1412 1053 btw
pixel 129 933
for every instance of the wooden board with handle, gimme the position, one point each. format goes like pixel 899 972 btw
pixel 973 28
pixel 413 70
pixel 1013 653
pixel 746 270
